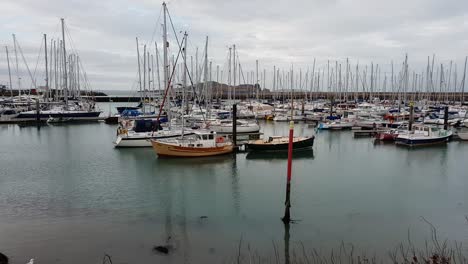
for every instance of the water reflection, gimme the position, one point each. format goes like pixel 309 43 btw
pixel 286 243
pixel 235 185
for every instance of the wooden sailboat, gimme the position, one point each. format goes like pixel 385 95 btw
pixel 201 144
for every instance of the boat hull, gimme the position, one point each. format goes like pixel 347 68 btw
pixel 143 141
pixel 463 136
pixel 302 144
pixel 413 142
pixel 75 115
pixel 170 150
pixel 239 129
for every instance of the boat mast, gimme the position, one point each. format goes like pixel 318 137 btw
pixel 139 67
pixel 234 70
pixel 56 93
pixel 292 90
pixel 184 81
pixel 157 65
pixel 9 71
pixel 205 75
pixel 78 76
pixel 17 66
pixel 229 75
pixel 256 80
pixel 165 45
pixel 143 93
pixel 46 68
pixel 65 91
pixel 463 83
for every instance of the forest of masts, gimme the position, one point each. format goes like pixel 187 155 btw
pixel 341 80
pixel 63 72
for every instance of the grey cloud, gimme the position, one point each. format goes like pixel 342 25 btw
pixel 277 33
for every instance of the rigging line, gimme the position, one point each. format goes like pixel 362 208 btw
pixel 76 52
pixel 185 60
pixel 37 60
pixel 169 83
pixel 27 67
pixel 155 28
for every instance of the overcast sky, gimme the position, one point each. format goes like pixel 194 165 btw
pixel 281 33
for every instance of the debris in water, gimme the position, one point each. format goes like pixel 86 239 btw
pixel 162 249
pixel 203 217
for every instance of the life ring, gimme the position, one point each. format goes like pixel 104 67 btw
pixel 220 140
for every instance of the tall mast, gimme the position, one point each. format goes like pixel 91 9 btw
pixel 292 89
pixel 256 80
pixel 46 68
pixel 78 76
pixel 184 81
pixel 144 73
pixel 157 65
pixel 56 93
pixel 17 65
pixel 139 67
pixel 64 50
pixel 274 82
pixel 234 71
pixel 153 87
pixel 65 78
pixel 205 73
pixel 229 75
pixel 9 71
pixel 166 81
pixel 463 83
pixel 196 68
pixel 217 82
pixel 148 63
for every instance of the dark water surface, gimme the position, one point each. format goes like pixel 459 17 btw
pixel 67 196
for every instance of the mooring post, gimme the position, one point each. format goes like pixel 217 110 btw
pixel 38 110
pixel 287 216
pixel 410 124
pixel 446 117
pixel 234 125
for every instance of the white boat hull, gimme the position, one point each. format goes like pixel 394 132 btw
pixel 463 136
pixel 143 139
pixel 253 128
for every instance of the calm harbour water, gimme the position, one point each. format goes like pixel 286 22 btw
pixel 67 196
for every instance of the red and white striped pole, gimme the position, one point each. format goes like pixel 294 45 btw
pixel 287 216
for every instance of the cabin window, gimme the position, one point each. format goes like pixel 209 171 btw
pixel 204 137
pixel 191 145
pixel 210 136
pixel 199 145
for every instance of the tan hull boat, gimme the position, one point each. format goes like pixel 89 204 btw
pixel 171 150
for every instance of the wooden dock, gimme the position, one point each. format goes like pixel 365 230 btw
pixel 367 133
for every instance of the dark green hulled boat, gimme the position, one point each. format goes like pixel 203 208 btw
pixel 280 144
